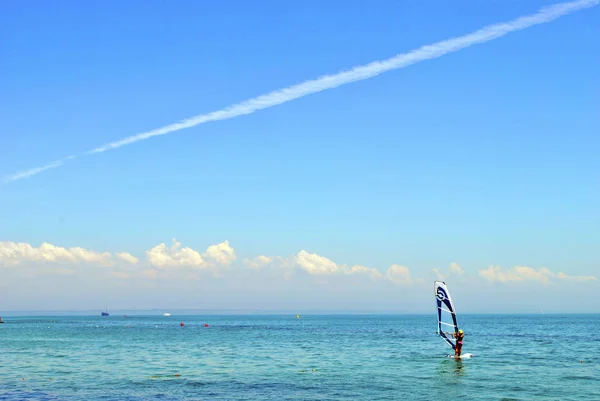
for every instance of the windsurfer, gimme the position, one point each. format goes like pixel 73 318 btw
pixel 459 343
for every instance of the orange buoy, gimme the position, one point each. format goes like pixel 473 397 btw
pixel 205 324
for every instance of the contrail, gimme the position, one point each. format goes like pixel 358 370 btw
pixel 359 73
pixel 37 170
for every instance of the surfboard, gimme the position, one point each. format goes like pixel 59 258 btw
pixel 446 314
pixel 462 356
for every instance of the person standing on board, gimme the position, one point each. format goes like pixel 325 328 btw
pixel 459 343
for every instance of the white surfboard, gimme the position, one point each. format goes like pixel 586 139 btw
pixel 462 356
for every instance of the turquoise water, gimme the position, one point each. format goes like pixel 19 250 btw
pixel 542 357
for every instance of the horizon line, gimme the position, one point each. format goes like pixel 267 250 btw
pixel 94 312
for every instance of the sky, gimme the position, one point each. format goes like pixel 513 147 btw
pixel 300 156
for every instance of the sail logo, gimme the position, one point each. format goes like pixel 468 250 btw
pixel 441 294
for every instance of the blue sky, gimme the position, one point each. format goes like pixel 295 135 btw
pixel 482 157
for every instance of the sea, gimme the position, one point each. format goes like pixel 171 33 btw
pixel 285 357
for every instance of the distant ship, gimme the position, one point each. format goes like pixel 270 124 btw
pixel 105 313
pixel 166 314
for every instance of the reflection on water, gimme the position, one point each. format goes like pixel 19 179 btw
pixel 450 371
pixel 451 368
pixel 459 368
pixel 449 378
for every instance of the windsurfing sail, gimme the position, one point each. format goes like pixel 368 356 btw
pixel 447 324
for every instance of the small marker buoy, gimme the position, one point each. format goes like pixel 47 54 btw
pixel 181 324
pixel 205 324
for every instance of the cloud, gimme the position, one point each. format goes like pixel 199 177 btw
pixel 272 266
pixel 175 261
pixel 438 274
pixel 258 262
pixel 315 264
pixel 496 274
pixel 399 274
pixel 126 257
pixel 162 261
pixel 564 276
pixel 454 269
pixel 355 74
pixel 163 257
pixel 319 265
pixel 15 253
pixel 222 253
pixel 84 255
pixel 525 273
pixel 374 274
